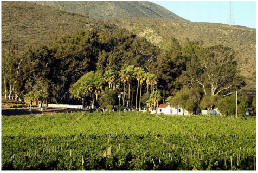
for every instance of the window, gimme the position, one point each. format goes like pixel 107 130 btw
pixel 160 110
pixel 179 110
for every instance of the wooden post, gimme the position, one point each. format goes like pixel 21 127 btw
pixel 236 103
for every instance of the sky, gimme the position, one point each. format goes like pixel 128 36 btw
pixel 242 12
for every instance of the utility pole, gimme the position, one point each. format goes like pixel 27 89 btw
pixel 236 103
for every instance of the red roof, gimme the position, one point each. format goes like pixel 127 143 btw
pixel 162 106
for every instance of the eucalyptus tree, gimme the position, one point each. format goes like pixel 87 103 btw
pixel 213 68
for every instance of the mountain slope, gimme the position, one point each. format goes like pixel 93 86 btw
pixel 113 9
pixel 241 39
pixel 26 23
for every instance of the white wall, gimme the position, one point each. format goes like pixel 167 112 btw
pixel 65 106
pixel 172 111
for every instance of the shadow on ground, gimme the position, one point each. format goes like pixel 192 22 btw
pixel 9 112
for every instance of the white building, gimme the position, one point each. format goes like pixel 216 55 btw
pixel 166 109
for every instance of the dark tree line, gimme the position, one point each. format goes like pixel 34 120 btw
pixel 127 63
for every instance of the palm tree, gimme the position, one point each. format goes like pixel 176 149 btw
pixel 116 85
pixel 142 80
pixel 129 78
pixel 153 81
pixel 123 79
pixel 98 83
pixel 110 77
pixel 29 97
pixel 138 73
pixel 147 80
pixel 155 97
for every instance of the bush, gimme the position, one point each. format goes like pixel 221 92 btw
pixel 242 105
pixel 188 99
pixel 107 99
pixel 209 101
pixel 227 105
pixel 254 103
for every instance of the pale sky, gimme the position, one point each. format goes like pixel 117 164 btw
pixel 242 12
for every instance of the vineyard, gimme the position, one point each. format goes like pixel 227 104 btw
pixel 134 141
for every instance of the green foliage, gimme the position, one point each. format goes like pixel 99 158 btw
pixel 209 101
pixel 243 104
pixel 254 103
pixel 20 18
pixel 153 100
pixel 40 95
pixel 107 99
pixel 227 105
pixel 170 64
pixel 145 98
pixel 213 68
pixel 89 84
pixel 29 97
pixel 50 67
pixel 91 141
pixel 186 98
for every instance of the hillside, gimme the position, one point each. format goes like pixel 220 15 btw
pixel 114 9
pixel 241 39
pixel 27 23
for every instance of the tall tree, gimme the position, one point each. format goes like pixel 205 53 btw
pixel 214 69
pixel 138 73
pixel 89 84
pixel 123 79
pixel 110 77
pixel 153 100
pixel 129 77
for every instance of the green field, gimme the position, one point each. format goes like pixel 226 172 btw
pixel 128 141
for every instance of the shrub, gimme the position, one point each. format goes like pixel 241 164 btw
pixel 227 105
pixel 107 99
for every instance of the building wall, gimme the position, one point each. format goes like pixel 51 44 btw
pixel 172 111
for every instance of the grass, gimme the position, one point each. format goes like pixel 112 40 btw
pixel 129 141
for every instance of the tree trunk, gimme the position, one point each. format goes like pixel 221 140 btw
pixel 124 96
pixel 10 92
pixel 82 102
pixel 5 90
pixel 97 95
pixel 129 93
pixel 212 90
pixel 13 97
pixel 92 105
pixel 137 94
pixel 140 96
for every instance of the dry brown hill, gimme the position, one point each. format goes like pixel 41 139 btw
pixel 27 23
